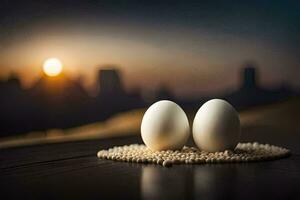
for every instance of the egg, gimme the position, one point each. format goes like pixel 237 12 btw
pixel 165 126
pixel 216 126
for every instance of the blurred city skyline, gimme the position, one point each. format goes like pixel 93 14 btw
pixel 191 89
pixel 189 47
pixel 59 102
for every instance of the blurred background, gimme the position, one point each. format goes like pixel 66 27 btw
pixel 78 70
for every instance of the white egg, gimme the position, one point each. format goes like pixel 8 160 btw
pixel 216 126
pixel 165 126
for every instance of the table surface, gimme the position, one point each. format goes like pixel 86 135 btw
pixel 73 171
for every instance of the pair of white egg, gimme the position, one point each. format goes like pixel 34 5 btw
pixel 216 126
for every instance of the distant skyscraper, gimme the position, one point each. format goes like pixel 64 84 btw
pixel 12 83
pixel 249 77
pixel 110 83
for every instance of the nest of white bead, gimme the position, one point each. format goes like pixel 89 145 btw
pixel 216 128
pixel 244 152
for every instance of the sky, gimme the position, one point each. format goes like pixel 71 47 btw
pixel 187 46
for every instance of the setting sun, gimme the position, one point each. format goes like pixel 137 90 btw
pixel 52 67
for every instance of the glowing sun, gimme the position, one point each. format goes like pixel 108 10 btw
pixel 52 67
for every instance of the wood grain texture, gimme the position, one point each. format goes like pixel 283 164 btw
pixel 73 171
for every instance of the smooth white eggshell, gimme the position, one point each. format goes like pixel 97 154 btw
pixel 216 126
pixel 165 126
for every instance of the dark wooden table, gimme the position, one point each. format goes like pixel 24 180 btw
pixel 72 171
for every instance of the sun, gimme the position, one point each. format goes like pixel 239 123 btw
pixel 52 67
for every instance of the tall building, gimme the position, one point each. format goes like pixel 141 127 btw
pixel 110 83
pixel 249 77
